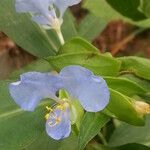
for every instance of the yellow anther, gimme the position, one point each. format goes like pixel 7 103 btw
pixel 61 107
pixel 49 108
pixel 47 116
pixel 58 119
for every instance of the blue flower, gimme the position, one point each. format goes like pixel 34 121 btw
pixel 44 11
pixel 80 83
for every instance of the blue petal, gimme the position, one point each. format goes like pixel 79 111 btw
pixel 40 20
pixel 62 5
pixel 33 87
pixel 39 8
pixel 61 129
pixel 34 6
pixel 90 90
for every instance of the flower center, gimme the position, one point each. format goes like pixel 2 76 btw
pixel 54 115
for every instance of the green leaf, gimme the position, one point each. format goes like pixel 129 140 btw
pixel 80 52
pixel 77 45
pixel 121 107
pixel 145 7
pixel 126 133
pixel 44 142
pixel 68 27
pixel 145 97
pixel 99 64
pixel 69 143
pixel 91 26
pixel 115 9
pixel 99 9
pixel 145 84
pixel 127 8
pixel 23 31
pixel 91 125
pixel 136 65
pixel 125 86
pixel 38 65
pixel 97 146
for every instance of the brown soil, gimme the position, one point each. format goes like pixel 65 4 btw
pixel 11 56
pixel 118 39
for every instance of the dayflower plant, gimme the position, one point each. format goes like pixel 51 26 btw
pixel 48 13
pixel 80 83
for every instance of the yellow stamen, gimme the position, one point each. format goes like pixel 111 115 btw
pixel 47 116
pixel 52 116
pixel 61 107
pixel 58 119
pixel 49 108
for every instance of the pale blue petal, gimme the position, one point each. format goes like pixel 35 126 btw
pixel 34 6
pixel 42 14
pixel 40 20
pixel 34 87
pixel 63 128
pixel 62 5
pixel 90 90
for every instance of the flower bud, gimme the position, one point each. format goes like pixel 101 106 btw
pixel 142 108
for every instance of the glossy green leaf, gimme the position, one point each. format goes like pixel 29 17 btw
pixel 125 86
pixel 136 65
pixel 99 64
pixel 121 107
pixel 91 26
pixel 91 125
pixel 77 45
pixel 145 84
pixel 79 52
pixel 126 133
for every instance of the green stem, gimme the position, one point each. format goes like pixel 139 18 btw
pixel 60 36
pixel 49 39
pixel 102 138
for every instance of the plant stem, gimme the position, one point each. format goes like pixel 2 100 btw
pixel 49 39
pixel 102 138
pixel 60 36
